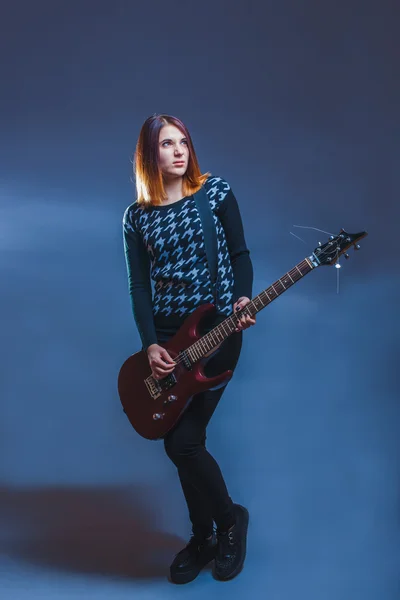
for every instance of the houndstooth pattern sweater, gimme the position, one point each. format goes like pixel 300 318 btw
pixel 164 248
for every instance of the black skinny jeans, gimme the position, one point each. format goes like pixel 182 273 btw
pixel 201 479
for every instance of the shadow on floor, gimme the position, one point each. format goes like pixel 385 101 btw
pixel 102 531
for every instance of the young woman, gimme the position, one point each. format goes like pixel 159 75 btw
pixel 163 241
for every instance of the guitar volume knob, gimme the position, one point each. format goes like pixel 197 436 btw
pixel 158 416
pixel 171 398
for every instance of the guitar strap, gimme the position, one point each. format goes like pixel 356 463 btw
pixel 210 236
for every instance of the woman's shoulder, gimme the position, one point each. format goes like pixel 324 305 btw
pixel 131 214
pixel 217 188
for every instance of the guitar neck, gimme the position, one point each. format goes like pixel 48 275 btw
pixel 221 332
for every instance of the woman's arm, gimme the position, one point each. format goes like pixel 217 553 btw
pixel 242 266
pixel 138 267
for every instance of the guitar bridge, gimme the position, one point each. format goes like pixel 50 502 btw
pixel 153 387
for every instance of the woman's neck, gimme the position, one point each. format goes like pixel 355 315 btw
pixel 173 189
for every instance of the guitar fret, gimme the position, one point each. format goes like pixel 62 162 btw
pixel 308 262
pixel 223 326
pixel 296 267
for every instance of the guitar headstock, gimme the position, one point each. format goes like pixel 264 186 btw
pixel 329 253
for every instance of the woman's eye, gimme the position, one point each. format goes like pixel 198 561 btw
pixel 164 144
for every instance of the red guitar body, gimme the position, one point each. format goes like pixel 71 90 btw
pixel 152 406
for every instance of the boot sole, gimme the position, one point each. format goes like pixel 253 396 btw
pixel 240 565
pixel 181 578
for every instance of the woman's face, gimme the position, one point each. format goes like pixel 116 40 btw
pixel 174 152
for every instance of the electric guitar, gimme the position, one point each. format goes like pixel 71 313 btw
pixel 154 406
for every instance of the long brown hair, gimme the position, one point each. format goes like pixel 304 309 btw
pixel 149 182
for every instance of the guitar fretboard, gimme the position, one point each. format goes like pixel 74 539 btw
pixel 221 332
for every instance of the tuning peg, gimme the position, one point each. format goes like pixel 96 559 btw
pixel 346 255
pixel 357 246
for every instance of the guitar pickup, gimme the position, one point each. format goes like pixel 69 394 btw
pixel 167 382
pixel 187 363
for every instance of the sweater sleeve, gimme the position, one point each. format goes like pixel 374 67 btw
pixel 138 267
pixel 242 266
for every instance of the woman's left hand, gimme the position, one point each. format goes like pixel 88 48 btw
pixel 245 320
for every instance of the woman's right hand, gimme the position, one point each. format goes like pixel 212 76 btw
pixel 161 364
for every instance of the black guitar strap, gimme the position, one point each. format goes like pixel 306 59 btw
pixel 210 236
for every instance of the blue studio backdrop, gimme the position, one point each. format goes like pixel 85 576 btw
pixel 296 105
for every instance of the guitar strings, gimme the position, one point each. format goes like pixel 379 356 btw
pixel 229 320
pixel 180 358
pixel 220 329
pixel 315 229
pixel 296 236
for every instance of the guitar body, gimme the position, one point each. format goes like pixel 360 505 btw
pixel 152 406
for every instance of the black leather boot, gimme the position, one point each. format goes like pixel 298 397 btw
pixel 231 550
pixel 188 563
